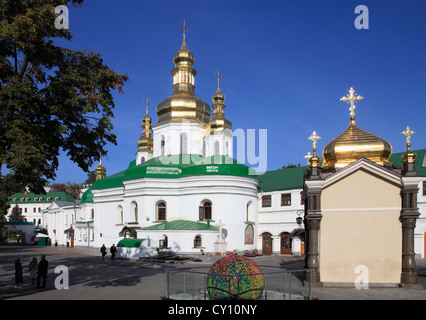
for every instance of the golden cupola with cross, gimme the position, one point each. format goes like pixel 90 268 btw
pixel 183 104
pixel 355 143
pixel 218 123
pixel 145 141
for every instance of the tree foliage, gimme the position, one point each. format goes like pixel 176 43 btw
pixel 51 98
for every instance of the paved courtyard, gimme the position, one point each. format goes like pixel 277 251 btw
pixel 91 278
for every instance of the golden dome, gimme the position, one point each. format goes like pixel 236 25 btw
pixel 145 142
pixel 183 104
pixel 219 123
pixel 100 171
pixel 355 143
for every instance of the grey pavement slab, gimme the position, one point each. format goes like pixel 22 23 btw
pixel 91 278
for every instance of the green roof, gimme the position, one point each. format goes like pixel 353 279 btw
pixel 282 179
pixel 87 196
pixel 62 196
pixel 177 166
pixel 130 243
pixel 181 225
pixel 419 165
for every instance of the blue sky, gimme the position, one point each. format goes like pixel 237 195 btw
pixel 285 65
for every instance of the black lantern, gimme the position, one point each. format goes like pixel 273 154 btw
pixel 299 219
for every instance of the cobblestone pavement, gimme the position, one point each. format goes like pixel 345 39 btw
pixel 91 278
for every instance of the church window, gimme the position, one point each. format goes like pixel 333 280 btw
pixel 120 215
pixel 204 147
pixel 163 243
pixel 34 209
pixel 286 199
pixel 161 211
pixel 163 145
pixel 197 241
pixel 266 201
pixel 183 143
pixel 92 214
pixel 227 149
pixel 134 211
pixel 216 147
pixel 424 188
pixel 143 160
pixel 205 211
pixel 249 234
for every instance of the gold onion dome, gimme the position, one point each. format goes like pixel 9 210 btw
pixel 219 123
pixel 183 104
pixel 145 142
pixel 355 143
pixel 100 171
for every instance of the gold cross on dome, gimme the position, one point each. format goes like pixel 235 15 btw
pixel 308 156
pixel 184 27
pixel 314 138
pixel 352 99
pixel 217 75
pixel 147 104
pixel 408 133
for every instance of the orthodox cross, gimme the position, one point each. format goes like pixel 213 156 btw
pixel 408 133
pixel 308 156
pixel 217 75
pixel 352 99
pixel 314 137
pixel 147 104
pixel 185 28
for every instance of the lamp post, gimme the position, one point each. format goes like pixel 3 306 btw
pixel 299 219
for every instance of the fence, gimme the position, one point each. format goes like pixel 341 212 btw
pixel 278 283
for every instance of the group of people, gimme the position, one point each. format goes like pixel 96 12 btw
pixel 37 270
pixel 112 250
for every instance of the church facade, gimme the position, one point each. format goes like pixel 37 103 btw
pixel 185 193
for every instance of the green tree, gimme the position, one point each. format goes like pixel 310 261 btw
pixel 73 189
pixel 51 98
pixel 16 214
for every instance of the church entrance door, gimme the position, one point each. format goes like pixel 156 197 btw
pixel 267 243
pixel 285 243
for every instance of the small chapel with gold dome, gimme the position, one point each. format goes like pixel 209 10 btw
pixel 356 204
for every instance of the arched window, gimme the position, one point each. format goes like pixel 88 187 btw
pixel 163 145
pixel 143 160
pixel 161 211
pixel 134 211
pixel 216 147
pixel 227 149
pixel 120 215
pixel 249 234
pixel 183 143
pixel 204 147
pixel 197 241
pixel 163 243
pixel 205 211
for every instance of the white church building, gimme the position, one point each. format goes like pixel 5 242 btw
pixel 185 193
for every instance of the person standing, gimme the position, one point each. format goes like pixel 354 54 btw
pixel 113 250
pixel 19 279
pixel 42 271
pixel 32 267
pixel 103 251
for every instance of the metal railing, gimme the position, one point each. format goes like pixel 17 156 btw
pixel 279 283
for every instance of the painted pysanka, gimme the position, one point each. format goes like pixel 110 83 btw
pixel 235 277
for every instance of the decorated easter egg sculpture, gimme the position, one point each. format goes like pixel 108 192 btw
pixel 235 277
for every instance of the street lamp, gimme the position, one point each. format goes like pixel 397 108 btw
pixel 299 219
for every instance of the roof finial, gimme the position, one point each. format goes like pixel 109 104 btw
pixel 352 99
pixel 217 75
pixel 147 104
pixel 408 133
pixel 185 28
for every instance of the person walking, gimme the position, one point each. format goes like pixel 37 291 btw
pixel 42 271
pixel 103 251
pixel 33 267
pixel 113 250
pixel 19 279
